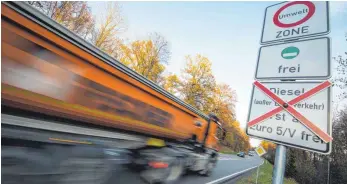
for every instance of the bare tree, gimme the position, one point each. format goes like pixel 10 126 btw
pixel 162 47
pixel 339 149
pixel 109 26
pixel 340 80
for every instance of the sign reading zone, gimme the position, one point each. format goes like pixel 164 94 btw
pixel 295 19
pixel 309 129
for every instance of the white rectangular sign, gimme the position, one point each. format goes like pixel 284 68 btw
pixel 308 59
pixel 295 19
pixel 283 128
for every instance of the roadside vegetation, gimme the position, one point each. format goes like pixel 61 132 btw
pixel 195 84
pixel 264 176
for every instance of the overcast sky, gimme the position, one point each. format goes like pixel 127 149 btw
pixel 228 33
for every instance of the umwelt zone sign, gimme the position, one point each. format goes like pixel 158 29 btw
pixel 295 19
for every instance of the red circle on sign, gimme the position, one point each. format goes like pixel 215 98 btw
pixel 311 10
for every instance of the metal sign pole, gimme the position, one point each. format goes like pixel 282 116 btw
pixel 280 165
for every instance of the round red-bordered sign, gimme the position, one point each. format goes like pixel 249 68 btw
pixel 311 10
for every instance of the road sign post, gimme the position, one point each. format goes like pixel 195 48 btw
pixel 280 165
pixel 295 114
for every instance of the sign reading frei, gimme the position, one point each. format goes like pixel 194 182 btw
pixel 260 151
pixel 307 59
pixel 295 114
pixel 295 19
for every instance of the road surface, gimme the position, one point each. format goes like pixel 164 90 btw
pixel 228 167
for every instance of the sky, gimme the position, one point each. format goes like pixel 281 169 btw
pixel 228 33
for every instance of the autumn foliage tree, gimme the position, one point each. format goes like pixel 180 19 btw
pixel 172 84
pixel 147 57
pixel 268 145
pixel 236 139
pixel 101 31
pixel 270 149
pixel 197 82
pixel 198 87
pixel 223 103
pixel 74 15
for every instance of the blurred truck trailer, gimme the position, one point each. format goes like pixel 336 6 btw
pixel 68 107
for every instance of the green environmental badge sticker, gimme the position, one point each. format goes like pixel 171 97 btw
pixel 290 52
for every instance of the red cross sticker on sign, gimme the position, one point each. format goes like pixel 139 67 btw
pixel 288 107
pixel 268 119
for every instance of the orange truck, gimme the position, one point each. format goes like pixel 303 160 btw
pixel 66 105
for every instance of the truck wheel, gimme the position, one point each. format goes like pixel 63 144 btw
pixel 167 176
pixel 84 170
pixel 208 167
pixel 24 165
pixel 86 167
pixel 176 171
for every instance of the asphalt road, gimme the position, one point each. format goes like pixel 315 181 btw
pixel 228 167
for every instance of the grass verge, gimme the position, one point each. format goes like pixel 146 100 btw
pixel 264 177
